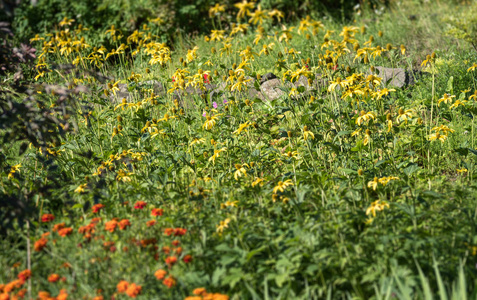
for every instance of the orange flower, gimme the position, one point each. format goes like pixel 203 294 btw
pixel 97 208
pixel 122 286
pixel 98 298
pixel 178 250
pixel 45 234
pixel 12 285
pixel 58 227
pixel 187 258
pixel 124 223
pixel 95 220
pixel 140 205
pixel 42 295
pixel 217 296
pixel 171 260
pixel 175 243
pixel 24 275
pixel 179 231
pixel 111 225
pixel 166 249
pixel 63 295
pixel 193 298
pixel 21 293
pixel 133 290
pixel 151 223
pixel 4 296
pixel 40 244
pixel 199 291
pixel 46 218
pixel 157 212
pixel 160 274
pixel 169 282
pixel 168 231
pixel 53 277
pixel 65 231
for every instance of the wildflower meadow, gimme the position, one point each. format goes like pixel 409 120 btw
pixel 276 152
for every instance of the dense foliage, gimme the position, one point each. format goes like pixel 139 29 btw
pixel 132 167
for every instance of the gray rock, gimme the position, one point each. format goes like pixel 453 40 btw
pixel 270 89
pixel 396 77
pixel 267 77
pixel 158 87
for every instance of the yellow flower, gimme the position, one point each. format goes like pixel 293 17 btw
pixel 373 184
pixel 223 224
pixel 385 180
pixel 229 203
pixel 217 154
pixel 240 171
pixel 438 136
pixel 404 115
pixel 337 83
pixel 81 189
pixel 240 84
pixel 365 117
pixel 258 16
pixel 66 22
pixel 216 10
pixel 244 8
pixel 282 185
pixel 472 68
pixel 124 176
pixel 291 154
pixel 257 181
pixel 275 13
pixel 457 103
pixel 463 170
pixel 403 50
pixel 242 127
pixel 210 122
pixel 197 141
pixel 376 206
pixel 307 133
pixel 446 99
pixel 13 170
pixel 217 35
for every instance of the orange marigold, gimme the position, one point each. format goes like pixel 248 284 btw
pixel 42 295
pixel 199 291
pixel 168 231
pixel 65 231
pixel 58 226
pixel 157 212
pixel 46 218
pixel 160 274
pixel 53 277
pixel 133 290
pixel 171 260
pixel 122 286
pixel 179 231
pixel 151 223
pixel 97 208
pixel 169 282
pixel 24 275
pixel 140 205
pixel 124 223
pixel 40 244
pixel 187 258
pixel 111 225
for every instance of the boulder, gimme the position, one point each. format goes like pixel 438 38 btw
pixel 396 77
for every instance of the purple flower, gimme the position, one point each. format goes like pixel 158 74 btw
pixel 214 104
pixel 204 114
pixel 225 101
